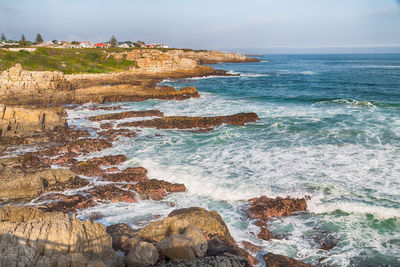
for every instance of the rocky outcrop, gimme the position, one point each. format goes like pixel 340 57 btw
pixel 211 261
pixel 142 254
pixel 30 237
pixel 20 120
pixel 265 208
pixel 127 114
pixel 16 183
pixel 273 260
pixel 176 122
pixel 155 189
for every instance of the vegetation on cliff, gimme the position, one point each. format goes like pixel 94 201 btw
pixel 69 61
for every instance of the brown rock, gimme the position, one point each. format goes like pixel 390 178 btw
pixel 155 189
pixel 123 236
pixel 264 234
pixel 111 193
pixel 129 175
pixel 273 260
pixel 127 114
pixel 30 237
pixel 251 247
pixel 142 254
pixel 19 183
pixel 111 135
pixel 193 122
pixel 264 207
pixel 67 203
pixel 92 167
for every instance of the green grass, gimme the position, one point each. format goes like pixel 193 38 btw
pixel 68 61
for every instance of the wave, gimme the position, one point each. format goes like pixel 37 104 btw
pixel 353 102
pixel 307 73
pixel 378 67
pixel 354 208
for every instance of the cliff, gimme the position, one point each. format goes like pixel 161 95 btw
pixel 20 120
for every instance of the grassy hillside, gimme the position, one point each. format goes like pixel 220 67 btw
pixel 69 61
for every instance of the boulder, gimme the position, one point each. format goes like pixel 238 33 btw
pixel 123 236
pixel 142 254
pixel 184 246
pixel 30 237
pixel 211 261
pixel 176 122
pixel 19 183
pixel 273 260
pixel 264 208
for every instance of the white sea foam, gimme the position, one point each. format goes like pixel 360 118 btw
pixel 308 73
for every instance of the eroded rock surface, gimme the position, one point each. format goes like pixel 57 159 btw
pixel 127 114
pixel 273 260
pixel 30 237
pixel 176 122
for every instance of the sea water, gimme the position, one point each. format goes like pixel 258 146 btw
pixel 329 128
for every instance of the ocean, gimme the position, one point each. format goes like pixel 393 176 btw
pixel 329 128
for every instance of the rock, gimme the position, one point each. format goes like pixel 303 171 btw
pixel 130 175
pixel 213 261
pixel 66 203
pixel 18 183
pixel 24 120
pixel 92 166
pixel 88 198
pixel 84 146
pixel 209 222
pixel 177 246
pixel 107 125
pixel 30 237
pixel 273 260
pixel 155 189
pixel 265 208
pixel 111 135
pixel 142 254
pixel 184 246
pixel 264 234
pixel 193 122
pixel 127 114
pixel 123 236
pixel 251 247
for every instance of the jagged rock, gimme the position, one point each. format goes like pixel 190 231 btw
pixel 251 247
pixel 127 114
pixel 265 234
pixel 176 122
pixel 111 135
pixel 212 261
pixel 30 237
pixel 155 189
pixel 89 198
pixel 265 208
pixel 130 175
pixel 184 246
pixel 142 254
pixel 92 166
pixel 19 183
pixel 273 260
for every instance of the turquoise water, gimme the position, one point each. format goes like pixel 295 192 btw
pixel 329 128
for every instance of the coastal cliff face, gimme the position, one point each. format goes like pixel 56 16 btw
pixel 20 120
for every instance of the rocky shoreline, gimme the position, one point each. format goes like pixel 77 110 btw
pixel 43 184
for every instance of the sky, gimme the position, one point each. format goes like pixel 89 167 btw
pixel 275 26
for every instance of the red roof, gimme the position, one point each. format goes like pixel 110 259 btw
pixel 100 45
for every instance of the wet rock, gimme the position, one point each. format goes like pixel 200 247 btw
pixel 127 114
pixel 265 234
pixel 92 167
pixel 251 247
pixel 155 189
pixel 264 208
pixel 193 122
pixel 19 183
pixel 106 125
pixel 111 193
pixel 105 108
pixel 30 237
pixel 130 175
pixel 142 254
pixel 112 170
pixel 216 247
pixel 111 135
pixel 184 246
pixel 324 239
pixel 273 260
pixel 212 261
pixel 83 146
pixel 66 203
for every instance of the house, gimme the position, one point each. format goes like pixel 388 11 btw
pixel 101 45
pixel 124 45
pixel 86 44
